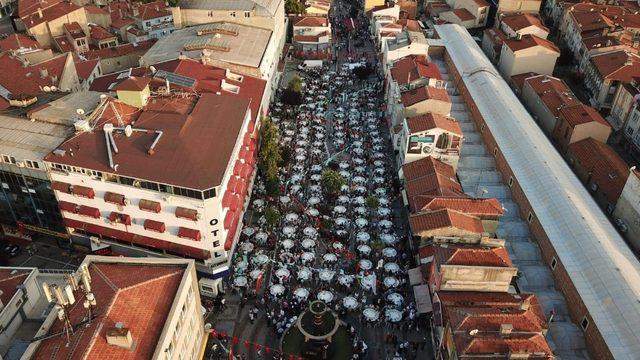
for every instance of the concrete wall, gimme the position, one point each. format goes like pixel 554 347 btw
pixel 426 106
pixel 543 116
pixel 536 59
pixel 476 278
pixel 45 32
pixel 628 209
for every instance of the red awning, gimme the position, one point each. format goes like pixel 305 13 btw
pixel 242 186
pixel 114 198
pixel 244 152
pixel 237 168
pixel 89 211
pixel 252 145
pixel 67 206
pixel 61 186
pixel 83 191
pixel 120 218
pixel 149 205
pixel 246 170
pixel 226 198
pixel 154 225
pixel 232 183
pixel 236 202
pixel 186 213
pixel 192 234
pixel 228 244
pixel 228 219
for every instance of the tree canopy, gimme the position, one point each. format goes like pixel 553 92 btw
pixel 332 181
pixel 294 7
pixel 270 155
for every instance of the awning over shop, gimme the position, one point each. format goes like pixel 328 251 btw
pixel 187 233
pixel 153 225
pixel 186 213
pixel 149 205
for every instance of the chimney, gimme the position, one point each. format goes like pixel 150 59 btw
pixel 506 329
pixel 525 305
pixel 120 336
pixel 44 73
pixel 40 13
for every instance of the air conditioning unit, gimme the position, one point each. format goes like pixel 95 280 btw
pixel 20 164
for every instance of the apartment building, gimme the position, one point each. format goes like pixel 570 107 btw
pixel 428 135
pixel 170 327
pixel 312 37
pixel 145 189
pixel 527 53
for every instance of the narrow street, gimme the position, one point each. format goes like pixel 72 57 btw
pixel 346 247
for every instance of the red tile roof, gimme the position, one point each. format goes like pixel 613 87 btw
pixel 121 22
pixel 26 7
pixel 414 96
pixel 120 50
pixel 185 155
pixel 427 166
pixel 312 21
pixel 553 92
pixel 488 319
pixel 141 302
pixel 17 42
pixel 444 218
pixel 152 10
pixel 517 22
pixel 27 80
pixel 310 38
pixel 581 114
pixel 51 13
pixel 528 41
pixel 97 32
pixel 471 206
pixel 481 3
pixel 85 68
pixel 414 67
pixel 617 65
pixel 463 14
pixel 493 346
pixel 518 80
pixel 74 30
pixel 600 42
pixel 133 83
pixel 9 280
pixel 431 121
pixel 92 9
pixel 607 168
pixel 588 21
pixel 472 256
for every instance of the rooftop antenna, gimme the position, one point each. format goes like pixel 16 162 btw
pixel 117 114
pixel 63 300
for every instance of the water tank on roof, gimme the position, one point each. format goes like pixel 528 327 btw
pixel 82 125
pixel 128 130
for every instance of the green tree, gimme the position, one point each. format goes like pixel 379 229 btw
pixel 294 7
pixel 272 215
pixel 372 201
pixel 332 181
pixel 270 155
pixel 295 84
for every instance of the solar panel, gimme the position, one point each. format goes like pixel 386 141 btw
pixel 176 79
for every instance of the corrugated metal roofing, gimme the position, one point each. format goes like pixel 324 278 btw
pixel 604 271
pixel 262 7
pixel 26 140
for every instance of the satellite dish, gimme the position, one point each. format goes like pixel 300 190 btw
pixel 103 96
pixel 46 89
pixel 79 111
pixel 128 130
pixel 153 69
pixel 53 88
pixel 473 332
